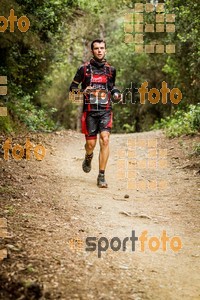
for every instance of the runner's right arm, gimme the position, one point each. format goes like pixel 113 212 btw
pixel 78 78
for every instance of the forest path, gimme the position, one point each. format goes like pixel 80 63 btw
pixel 148 191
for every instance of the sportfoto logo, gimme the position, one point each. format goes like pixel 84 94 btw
pixel 153 95
pixel 23 22
pixel 18 152
pixel 134 27
pixel 115 244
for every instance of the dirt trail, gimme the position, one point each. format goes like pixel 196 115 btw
pixel 62 206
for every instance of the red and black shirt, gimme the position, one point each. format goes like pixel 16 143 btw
pixel 99 75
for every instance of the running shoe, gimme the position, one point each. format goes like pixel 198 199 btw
pixel 86 165
pixel 101 182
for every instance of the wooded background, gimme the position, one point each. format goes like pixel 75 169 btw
pixel 41 63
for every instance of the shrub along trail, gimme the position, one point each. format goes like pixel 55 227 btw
pixel 51 207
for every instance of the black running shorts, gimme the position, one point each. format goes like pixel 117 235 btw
pixel 94 122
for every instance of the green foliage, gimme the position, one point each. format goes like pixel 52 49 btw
pixel 183 67
pixel 6 124
pixel 26 58
pixel 181 122
pixel 123 112
pixel 34 118
pixel 196 150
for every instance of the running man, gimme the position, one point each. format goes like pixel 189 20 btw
pixel 97 79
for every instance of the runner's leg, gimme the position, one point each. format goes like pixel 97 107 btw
pixel 90 145
pixel 103 158
pixel 104 149
pixel 91 124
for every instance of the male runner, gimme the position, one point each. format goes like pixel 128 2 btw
pixel 97 79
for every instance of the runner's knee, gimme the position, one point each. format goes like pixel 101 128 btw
pixel 105 140
pixel 90 145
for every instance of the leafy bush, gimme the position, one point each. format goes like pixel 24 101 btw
pixel 181 122
pixel 34 118
pixel 6 124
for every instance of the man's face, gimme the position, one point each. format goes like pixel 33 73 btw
pixel 99 50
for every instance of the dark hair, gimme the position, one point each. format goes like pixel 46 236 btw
pixel 97 41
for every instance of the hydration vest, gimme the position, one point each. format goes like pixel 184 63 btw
pixel 98 78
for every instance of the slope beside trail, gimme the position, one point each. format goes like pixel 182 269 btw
pixel 60 206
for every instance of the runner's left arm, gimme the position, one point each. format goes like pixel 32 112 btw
pixel 111 82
